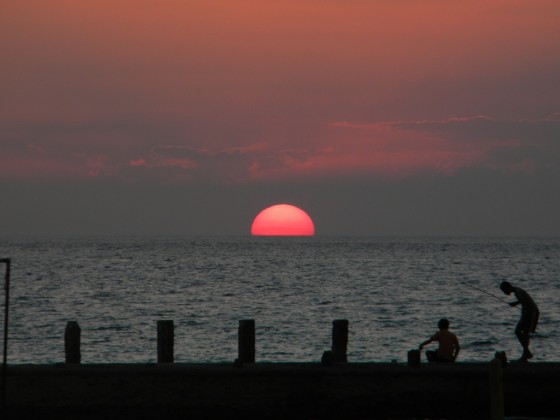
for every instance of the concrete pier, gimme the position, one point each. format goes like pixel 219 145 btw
pixel 286 390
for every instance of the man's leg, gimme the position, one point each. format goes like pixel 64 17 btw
pixel 523 337
pixel 431 355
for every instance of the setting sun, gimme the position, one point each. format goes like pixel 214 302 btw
pixel 283 220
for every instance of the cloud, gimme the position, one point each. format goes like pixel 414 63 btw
pixel 390 148
pixel 44 162
pixel 458 142
pixel 399 148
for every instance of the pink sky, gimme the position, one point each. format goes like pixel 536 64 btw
pixel 236 93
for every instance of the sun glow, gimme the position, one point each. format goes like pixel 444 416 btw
pixel 283 220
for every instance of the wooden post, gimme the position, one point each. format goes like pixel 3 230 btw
pixel 8 263
pixel 414 358
pixel 246 341
pixel 340 340
pixel 72 335
pixel 165 341
pixel 496 389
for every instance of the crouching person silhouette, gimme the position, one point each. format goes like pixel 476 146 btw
pixel 448 348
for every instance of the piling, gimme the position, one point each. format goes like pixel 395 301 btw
pixel 72 335
pixel 339 340
pixel 414 358
pixel 165 341
pixel 496 389
pixel 246 341
pixel 8 262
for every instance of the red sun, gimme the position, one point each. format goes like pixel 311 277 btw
pixel 283 220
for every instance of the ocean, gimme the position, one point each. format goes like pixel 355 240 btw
pixel 392 291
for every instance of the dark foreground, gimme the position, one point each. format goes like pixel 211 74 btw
pixel 352 390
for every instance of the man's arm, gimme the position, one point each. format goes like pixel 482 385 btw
pixel 524 299
pixel 428 341
pixel 456 349
pixel 421 346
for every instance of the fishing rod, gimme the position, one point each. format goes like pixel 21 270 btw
pixel 489 294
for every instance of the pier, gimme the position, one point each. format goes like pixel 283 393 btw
pixel 277 390
pixel 330 388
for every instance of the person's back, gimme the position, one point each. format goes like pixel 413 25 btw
pixel 448 347
pixel 447 341
pixel 526 301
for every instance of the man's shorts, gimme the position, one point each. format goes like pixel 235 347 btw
pixel 529 321
pixel 434 357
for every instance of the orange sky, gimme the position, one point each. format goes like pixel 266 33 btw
pixel 228 93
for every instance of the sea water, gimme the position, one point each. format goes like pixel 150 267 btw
pixel 391 290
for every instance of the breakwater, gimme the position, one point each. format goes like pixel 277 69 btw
pixel 286 390
pixel 330 388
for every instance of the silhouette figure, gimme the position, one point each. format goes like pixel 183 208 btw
pixel 529 316
pixel 448 348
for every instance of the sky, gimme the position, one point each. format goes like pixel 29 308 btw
pixel 377 117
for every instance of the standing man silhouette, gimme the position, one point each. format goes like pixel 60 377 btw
pixel 529 316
